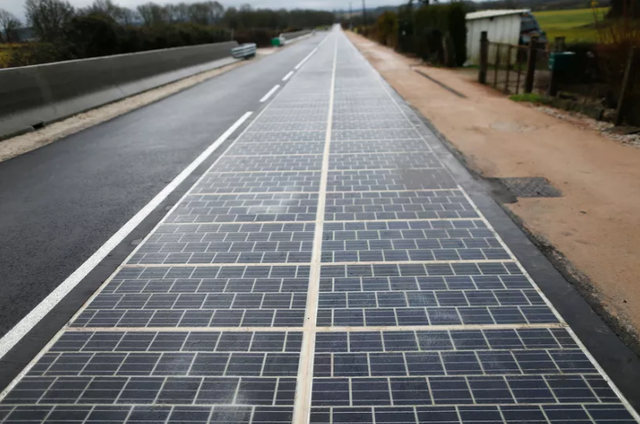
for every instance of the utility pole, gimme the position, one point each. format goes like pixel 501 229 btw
pixel 364 14
pixel 350 14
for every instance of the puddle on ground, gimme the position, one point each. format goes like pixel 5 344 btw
pixel 512 127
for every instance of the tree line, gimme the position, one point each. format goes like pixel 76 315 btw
pixel 49 18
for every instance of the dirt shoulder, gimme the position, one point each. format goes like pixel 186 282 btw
pixel 595 225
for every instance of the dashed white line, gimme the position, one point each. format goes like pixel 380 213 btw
pixel 35 316
pixel 266 96
pixel 286 77
pixel 305 59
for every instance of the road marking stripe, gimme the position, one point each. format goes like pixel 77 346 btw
pixel 286 77
pixel 27 323
pixel 306 58
pixel 266 96
pixel 304 381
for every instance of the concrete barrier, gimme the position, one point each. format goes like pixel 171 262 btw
pixel 35 95
pixel 290 36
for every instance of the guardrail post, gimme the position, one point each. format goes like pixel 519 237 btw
pixel 484 57
pixel 531 65
pixel 626 82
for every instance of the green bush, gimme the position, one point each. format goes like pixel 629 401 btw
pixel 386 29
pixel 91 36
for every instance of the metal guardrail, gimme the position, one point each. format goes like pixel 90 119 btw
pixel 244 51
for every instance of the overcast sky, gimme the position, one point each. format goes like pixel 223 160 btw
pixel 16 6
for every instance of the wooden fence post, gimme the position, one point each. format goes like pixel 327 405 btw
pixel 559 44
pixel 531 65
pixel 497 66
pixel 484 57
pixel 626 82
pixel 506 81
pixel 449 51
pixel 553 82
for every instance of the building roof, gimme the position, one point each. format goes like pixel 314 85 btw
pixel 483 14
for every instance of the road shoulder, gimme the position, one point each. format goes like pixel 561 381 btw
pixel 589 233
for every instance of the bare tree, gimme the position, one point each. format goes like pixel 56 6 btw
pixel 216 10
pixel 9 25
pixel 102 7
pixel 152 13
pixel 180 12
pixel 199 13
pixel 177 12
pixel 48 17
pixel 127 16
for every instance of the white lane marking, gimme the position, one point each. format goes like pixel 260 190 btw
pixel 304 380
pixel 266 96
pixel 563 323
pixel 323 40
pixel 306 58
pixel 66 327
pixel 32 318
pixel 286 77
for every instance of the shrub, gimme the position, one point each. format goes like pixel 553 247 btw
pixel 386 28
pixel 34 54
pixel 91 36
pixel 616 38
pixel 421 31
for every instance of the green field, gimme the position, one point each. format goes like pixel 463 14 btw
pixel 573 24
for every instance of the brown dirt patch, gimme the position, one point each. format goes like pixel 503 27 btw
pixel 595 225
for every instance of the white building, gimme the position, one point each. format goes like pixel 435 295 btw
pixel 514 27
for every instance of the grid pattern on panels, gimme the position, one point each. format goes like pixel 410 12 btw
pixel 326 269
pixel 423 315
pixel 203 323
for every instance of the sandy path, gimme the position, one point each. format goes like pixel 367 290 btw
pixel 595 225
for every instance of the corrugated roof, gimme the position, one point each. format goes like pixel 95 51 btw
pixel 493 13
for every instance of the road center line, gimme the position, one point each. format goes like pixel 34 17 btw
pixel 266 96
pixel 27 323
pixel 304 383
pixel 286 77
